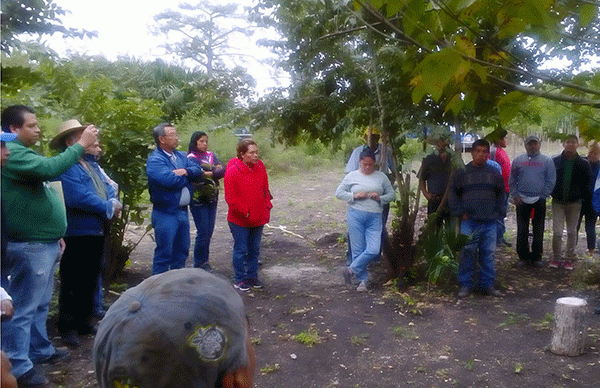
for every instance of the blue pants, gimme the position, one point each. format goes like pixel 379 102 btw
pixel 501 227
pixel 480 247
pixel 172 235
pixel 246 250
pixel 364 229
pixel 31 267
pixel 384 235
pixel 204 217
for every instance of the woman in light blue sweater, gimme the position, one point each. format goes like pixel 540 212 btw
pixel 366 191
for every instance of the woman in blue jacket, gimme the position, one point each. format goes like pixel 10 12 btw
pixel 90 200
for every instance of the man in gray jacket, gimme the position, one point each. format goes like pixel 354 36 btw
pixel 532 178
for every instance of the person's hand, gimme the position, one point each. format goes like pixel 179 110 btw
pixel 208 174
pixel 116 209
pixel 361 195
pixel 6 308
pixel 180 172
pixel 428 196
pixel 62 245
pixel 374 196
pixel 89 137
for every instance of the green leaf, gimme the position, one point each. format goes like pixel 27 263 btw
pixel 480 71
pixel 588 13
pixel 465 45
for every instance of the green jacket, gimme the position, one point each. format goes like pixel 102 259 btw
pixel 34 210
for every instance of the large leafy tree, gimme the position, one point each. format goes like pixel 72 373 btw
pixel 33 17
pixel 203 32
pixel 469 62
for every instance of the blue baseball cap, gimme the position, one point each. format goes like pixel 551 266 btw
pixel 7 136
pixel 182 328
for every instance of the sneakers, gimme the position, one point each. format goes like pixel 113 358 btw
pixel 59 355
pixel 32 379
pixel 567 265
pixel 348 275
pixel 463 292
pixel 362 286
pixel 254 283
pixel 491 291
pixel 242 286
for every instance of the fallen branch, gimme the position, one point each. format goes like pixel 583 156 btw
pixel 284 230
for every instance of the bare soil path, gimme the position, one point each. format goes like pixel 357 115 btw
pixel 310 330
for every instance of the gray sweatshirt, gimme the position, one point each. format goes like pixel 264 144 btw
pixel 532 176
pixel 356 182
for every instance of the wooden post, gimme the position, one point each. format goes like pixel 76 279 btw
pixel 569 333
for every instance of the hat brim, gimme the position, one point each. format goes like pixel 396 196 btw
pixel 59 139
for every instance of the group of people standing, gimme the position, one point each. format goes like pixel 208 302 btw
pixel 480 193
pixel 56 211
pixel 176 181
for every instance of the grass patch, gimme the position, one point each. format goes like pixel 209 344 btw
pixel 309 337
pixel 359 340
pixel 269 369
pixel 514 319
pixel 545 323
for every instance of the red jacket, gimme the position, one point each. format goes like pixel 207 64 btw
pixel 247 194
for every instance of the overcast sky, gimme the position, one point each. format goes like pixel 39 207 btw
pixel 123 29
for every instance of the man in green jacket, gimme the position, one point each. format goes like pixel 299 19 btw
pixel 35 224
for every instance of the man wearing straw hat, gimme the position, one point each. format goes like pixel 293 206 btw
pixel 35 224
pixel 90 201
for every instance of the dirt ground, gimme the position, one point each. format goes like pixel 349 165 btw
pixel 311 330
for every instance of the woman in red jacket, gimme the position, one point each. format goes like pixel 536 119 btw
pixel 247 194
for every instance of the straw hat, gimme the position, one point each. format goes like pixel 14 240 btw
pixel 64 130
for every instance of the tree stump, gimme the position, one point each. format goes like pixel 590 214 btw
pixel 569 333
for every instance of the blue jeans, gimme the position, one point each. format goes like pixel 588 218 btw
pixel 172 235
pixel 204 217
pixel 501 227
pixel 384 234
pixel 31 267
pixel 246 249
pixel 480 247
pixel 364 229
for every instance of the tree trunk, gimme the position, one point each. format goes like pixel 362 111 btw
pixel 569 333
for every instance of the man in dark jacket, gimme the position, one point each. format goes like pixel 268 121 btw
pixel 476 196
pixel 170 190
pixel 573 182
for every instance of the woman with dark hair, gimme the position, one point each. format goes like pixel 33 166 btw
pixel 366 190
pixel 206 195
pixel 249 199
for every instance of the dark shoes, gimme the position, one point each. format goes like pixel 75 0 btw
pixel 254 283
pixel 60 355
pixel 493 292
pixel 349 277
pixel 71 338
pixel 32 379
pixel 463 292
pixel 502 242
pixel 535 264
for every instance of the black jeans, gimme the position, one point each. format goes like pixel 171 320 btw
pixel 539 217
pixel 79 270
